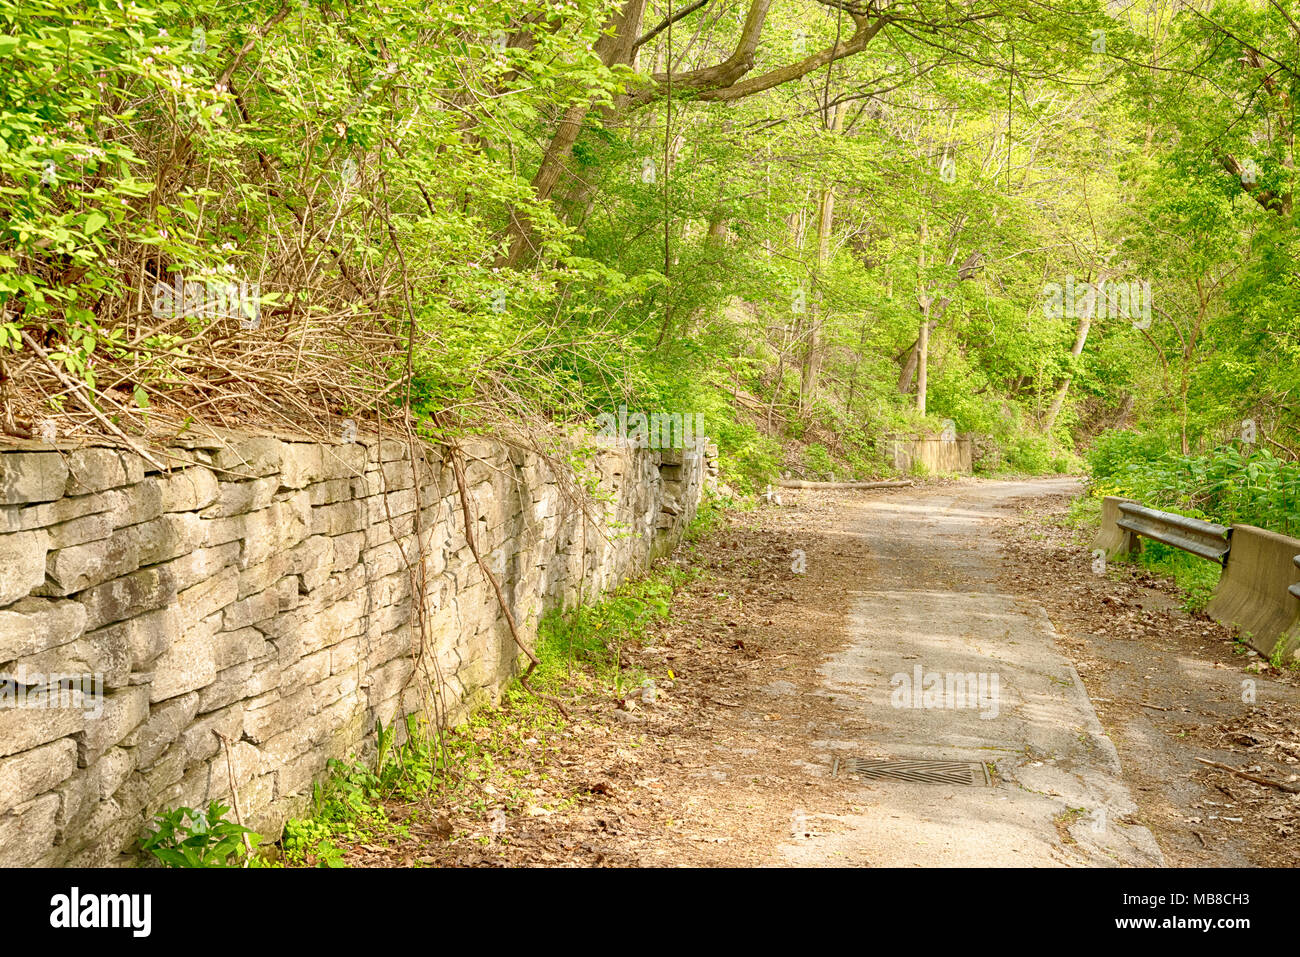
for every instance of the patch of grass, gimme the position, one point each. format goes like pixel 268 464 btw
pixel 593 636
pixel 1195 577
pixel 1084 513
pixel 708 517
pixel 466 766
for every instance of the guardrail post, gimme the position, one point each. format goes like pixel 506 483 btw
pixel 1112 539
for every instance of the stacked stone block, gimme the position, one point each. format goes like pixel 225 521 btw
pixel 261 591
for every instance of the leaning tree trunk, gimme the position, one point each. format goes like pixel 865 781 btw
pixel 616 45
pixel 1049 420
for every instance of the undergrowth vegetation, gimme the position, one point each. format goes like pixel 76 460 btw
pixel 1233 484
pixel 420 771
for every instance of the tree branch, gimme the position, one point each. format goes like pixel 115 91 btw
pixel 663 25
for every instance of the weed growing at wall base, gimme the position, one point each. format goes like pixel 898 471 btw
pixel 464 774
pixel 184 837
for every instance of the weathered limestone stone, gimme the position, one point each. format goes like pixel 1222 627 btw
pixel 188 664
pixel 392 616
pixel 82 566
pixel 104 653
pixel 390 679
pixel 136 467
pixel 245 763
pixel 22 562
pixel 166 721
pixel 380 509
pixel 336 690
pixel 304 632
pixel 306 671
pixel 253 455
pixel 390 558
pixel 386 450
pixel 230 685
pixel 31 477
pixel 143 504
pixel 338 519
pixel 387 530
pixel 340 587
pixel 29 773
pixel 79 798
pixel 313 561
pixel 265 677
pixel 347 550
pixel 209 597
pixel 232 648
pixel 345 655
pixel 389 645
pixel 93 470
pixel 107 848
pixel 274 529
pixel 258 578
pixel 273 714
pixel 168 536
pixel 144 636
pixel 132 594
pixel 200 741
pixel 34 625
pixel 342 461
pixel 241 497
pixel 78 531
pixel 114 768
pixel 231 528
pixel 301 463
pixel 27 831
pixel 123 711
pixel 28 727
pixel 188 490
pixel 330 491
pixel 290 628
pixel 298 775
pixel 201 564
pixel 190 791
pixel 257 608
pixel 391 590
pixel 23 518
pixel 166 771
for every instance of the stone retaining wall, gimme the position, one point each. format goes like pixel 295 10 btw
pixel 259 590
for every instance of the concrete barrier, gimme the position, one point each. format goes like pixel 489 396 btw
pixel 1253 592
pixel 1110 537
pixel 937 454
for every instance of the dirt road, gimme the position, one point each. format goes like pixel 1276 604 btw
pixel 813 637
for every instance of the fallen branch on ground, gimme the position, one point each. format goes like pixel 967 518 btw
pixel 1281 786
pixel 799 483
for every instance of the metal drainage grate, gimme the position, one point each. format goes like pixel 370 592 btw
pixel 920 772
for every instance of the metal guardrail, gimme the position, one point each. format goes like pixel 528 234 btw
pixel 1202 539
pixel 1295 589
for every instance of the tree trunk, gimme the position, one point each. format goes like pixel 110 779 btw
pixel 722 82
pixel 1085 322
pixel 825 221
pixel 922 361
pixel 616 45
